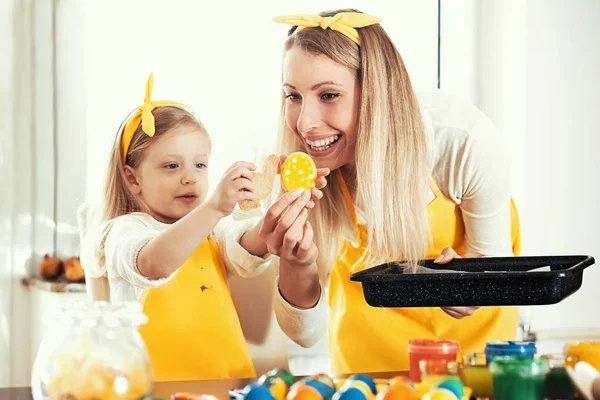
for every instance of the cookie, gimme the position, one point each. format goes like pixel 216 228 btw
pixel 263 183
pixel 298 172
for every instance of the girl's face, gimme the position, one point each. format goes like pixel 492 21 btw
pixel 172 178
pixel 321 107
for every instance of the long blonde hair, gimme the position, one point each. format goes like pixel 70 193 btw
pixel 118 199
pixel 392 168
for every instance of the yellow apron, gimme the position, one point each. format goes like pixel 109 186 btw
pixel 368 339
pixel 193 330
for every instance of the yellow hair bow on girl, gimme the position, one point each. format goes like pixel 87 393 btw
pixel 344 22
pixel 144 115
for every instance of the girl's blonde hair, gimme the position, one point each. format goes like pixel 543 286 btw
pixel 392 168
pixel 118 198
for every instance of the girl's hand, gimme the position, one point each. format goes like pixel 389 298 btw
pixel 235 185
pixel 448 254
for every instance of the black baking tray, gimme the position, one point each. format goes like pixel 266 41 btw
pixel 498 281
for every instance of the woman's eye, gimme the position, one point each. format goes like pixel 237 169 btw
pixel 292 97
pixel 330 96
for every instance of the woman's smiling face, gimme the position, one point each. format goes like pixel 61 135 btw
pixel 321 107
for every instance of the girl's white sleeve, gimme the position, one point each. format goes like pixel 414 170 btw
pixel 238 261
pixel 126 237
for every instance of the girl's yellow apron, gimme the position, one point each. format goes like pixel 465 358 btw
pixel 369 339
pixel 193 330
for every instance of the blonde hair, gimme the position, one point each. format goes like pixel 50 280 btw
pixel 118 198
pixel 392 168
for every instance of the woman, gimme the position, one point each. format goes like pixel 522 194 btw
pixel 411 178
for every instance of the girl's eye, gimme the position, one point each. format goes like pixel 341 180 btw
pixel 201 165
pixel 171 166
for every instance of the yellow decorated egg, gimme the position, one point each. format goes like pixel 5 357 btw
pixel 298 172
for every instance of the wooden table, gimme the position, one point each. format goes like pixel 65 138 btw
pixel 218 388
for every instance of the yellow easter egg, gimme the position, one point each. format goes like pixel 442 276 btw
pixel 298 172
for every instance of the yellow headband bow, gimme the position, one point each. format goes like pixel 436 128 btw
pixel 342 22
pixel 144 115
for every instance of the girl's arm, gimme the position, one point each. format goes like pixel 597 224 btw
pixel 169 250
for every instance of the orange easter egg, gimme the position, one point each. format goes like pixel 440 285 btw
pixel 303 392
pixel 398 391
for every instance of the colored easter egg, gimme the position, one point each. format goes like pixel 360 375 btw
pixel 303 392
pixel 422 388
pixel 324 378
pixel 366 379
pixel 454 385
pixel 351 392
pixel 277 386
pixel 439 394
pixel 282 373
pixel 298 172
pixel 255 391
pixel 398 391
pixel 362 386
pixel 400 380
pixel 323 388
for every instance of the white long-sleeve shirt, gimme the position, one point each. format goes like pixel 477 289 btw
pixel 125 236
pixel 470 165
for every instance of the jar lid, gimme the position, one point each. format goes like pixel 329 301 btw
pixel 116 314
pixel 582 347
pixel 433 346
pixel 510 346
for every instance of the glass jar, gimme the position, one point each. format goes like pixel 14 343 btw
pixel 429 349
pixel 477 375
pixel 93 350
pixel 582 351
pixel 518 378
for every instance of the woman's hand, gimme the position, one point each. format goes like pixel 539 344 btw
pixel 448 254
pixel 286 230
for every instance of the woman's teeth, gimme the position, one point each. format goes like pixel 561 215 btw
pixel 322 144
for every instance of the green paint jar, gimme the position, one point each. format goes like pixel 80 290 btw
pixel 517 378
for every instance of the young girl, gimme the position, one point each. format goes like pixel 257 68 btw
pixel 167 245
pixel 412 177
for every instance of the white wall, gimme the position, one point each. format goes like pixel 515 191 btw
pixel 6 181
pixel 536 77
pixel 558 183
pixel 16 182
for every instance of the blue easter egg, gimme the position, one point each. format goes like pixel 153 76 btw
pixel 366 379
pixel 349 393
pixel 255 391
